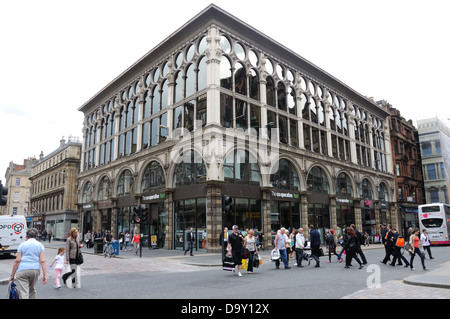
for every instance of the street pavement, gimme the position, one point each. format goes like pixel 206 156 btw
pixel 431 284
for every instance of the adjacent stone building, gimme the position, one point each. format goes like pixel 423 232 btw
pixel 407 164
pixel 53 202
pixel 220 109
pixel 17 181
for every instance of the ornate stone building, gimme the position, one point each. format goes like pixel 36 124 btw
pixel 53 200
pixel 217 109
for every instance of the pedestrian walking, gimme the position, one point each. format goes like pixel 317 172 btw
pixel 314 238
pixel 29 259
pixel 127 240
pixel 350 243
pixel 235 248
pixel 136 243
pixel 250 244
pixel 426 244
pixel 397 254
pixel 50 234
pixel 414 240
pixel 88 239
pixel 73 247
pixel 58 261
pixel 299 246
pixel 121 240
pixel 359 241
pixel 331 245
pixel 190 241
pixel 280 244
pixel 389 245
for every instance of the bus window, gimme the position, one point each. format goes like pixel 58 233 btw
pixel 432 222
pixel 430 209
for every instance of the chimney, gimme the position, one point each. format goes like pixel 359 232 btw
pixel 62 142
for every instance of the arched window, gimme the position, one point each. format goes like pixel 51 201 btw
pixel 125 185
pixel 225 73
pixel 190 80
pixel 285 177
pixel 365 190
pixel 254 85
pixel 104 189
pixel 178 88
pixel 191 170
pixel 87 193
pixel 153 177
pixel 241 168
pixel 317 181
pixel 344 185
pixel 305 106
pixel 240 79
pixel 383 192
pixel 281 96
pixel 270 91
pixel 201 74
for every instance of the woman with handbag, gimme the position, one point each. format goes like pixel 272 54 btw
pixel 74 258
pixel 250 244
pixel 414 241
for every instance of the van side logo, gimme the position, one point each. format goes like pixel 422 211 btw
pixel 18 228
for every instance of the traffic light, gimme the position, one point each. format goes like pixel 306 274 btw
pixel 136 219
pixel 226 203
pixel 3 194
pixel 144 214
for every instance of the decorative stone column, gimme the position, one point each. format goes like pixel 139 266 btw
pixel 214 215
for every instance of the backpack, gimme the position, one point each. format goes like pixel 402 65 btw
pixel 400 242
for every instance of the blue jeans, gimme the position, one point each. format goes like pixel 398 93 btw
pixel 422 258
pixel 284 257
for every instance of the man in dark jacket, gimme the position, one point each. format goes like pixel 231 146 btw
pixel 314 238
pixel 190 241
pixel 359 240
pixel 389 245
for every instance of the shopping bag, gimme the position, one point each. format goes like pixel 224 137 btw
pixel 275 255
pixel 228 264
pixel 12 291
pixel 255 261
pixel 244 264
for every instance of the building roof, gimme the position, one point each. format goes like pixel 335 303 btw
pixel 214 15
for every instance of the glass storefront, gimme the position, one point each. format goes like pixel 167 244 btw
pixel 345 216
pixel 190 213
pixel 319 217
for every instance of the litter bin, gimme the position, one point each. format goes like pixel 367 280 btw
pixel 98 246
pixel 115 246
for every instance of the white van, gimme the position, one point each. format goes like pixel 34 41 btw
pixel 13 232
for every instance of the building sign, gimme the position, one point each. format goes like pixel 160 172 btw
pixel 150 198
pixel 279 195
pixel 344 201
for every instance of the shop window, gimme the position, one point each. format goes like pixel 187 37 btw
pixel 125 185
pixel 317 181
pixel 191 170
pixel 383 192
pixel 365 190
pixel 286 177
pixel 344 185
pixel 241 168
pixel 104 189
pixel 87 193
pixel 153 177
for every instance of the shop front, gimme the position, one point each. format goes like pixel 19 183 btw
pixel 155 226
pixel 345 214
pixel 368 221
pixel 121 221
pixel 189 207
pixel 284 210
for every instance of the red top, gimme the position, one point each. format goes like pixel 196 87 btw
pixel 416 242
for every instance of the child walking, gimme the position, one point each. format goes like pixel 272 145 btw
pixel 59 265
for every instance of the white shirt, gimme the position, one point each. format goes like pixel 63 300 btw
pixel 425 240
pixel 59 264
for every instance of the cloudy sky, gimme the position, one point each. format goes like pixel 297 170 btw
pixel 55 55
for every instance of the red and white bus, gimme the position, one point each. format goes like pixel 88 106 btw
pixel 435 219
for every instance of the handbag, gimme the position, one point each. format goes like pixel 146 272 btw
pixel 255 261
pixel 244 264
pixel 12 291
pixel 79 259
pixel 275 255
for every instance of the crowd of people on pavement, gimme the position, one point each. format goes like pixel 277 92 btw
pixel 238 247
